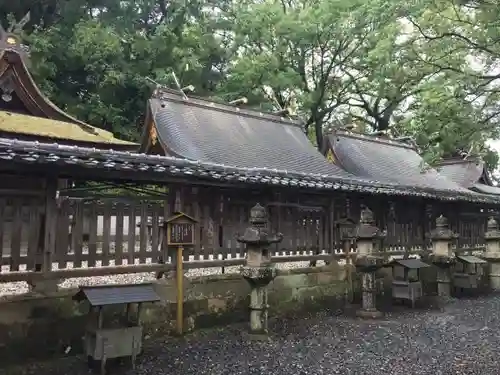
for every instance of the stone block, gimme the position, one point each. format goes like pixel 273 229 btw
pixel 217 304
pixel 329 277
pixel 494 276
pixel 292 281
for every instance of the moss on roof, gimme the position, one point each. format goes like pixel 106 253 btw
pixel 23 124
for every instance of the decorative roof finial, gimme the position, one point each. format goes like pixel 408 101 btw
pixel 11 40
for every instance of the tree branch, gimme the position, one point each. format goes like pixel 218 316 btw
pixel 455 35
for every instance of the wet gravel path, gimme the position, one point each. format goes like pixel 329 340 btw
pixel 462 338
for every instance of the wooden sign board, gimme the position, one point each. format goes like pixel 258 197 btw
pixel 180 230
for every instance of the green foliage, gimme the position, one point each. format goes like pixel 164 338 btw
pixel 461 110
pixel 301 50
pixel 425 69
pixel 94 61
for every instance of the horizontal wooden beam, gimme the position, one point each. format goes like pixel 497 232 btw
pixel 143 268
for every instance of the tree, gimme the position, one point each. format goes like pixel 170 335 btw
pixel 387 77
pixel 298 50
pixel 445 124
pixel 461 40
pixel 94 61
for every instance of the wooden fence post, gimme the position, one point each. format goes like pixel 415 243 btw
pixel 47 243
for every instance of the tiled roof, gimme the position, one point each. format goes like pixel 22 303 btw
pixel 160 168
pixel 411 263
pixel 464 172
pixel 201 130
pixel 16 123
pixel 485 189
pixel 102 295
pixel 467 173
pixel 387 161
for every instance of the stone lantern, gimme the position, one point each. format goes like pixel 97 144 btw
pixel 367 262
pixel 258 269
pixel 442 255
pixel 492 253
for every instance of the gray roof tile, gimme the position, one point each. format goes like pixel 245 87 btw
pixel 471 259
pixel 463 172
pixel 467 173
pixel 485 189
pixel 71 161
pixel 204 131
pixel 412 263
pixel 117 294
pixel 386 160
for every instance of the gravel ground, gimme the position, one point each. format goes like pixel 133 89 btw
pixel 461 338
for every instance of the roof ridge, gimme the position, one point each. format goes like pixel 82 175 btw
pixel 169 94
pixel 372 138
pixel 452 161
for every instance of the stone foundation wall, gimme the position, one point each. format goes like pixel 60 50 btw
pixel 37 327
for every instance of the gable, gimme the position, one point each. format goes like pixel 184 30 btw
pixel 329 156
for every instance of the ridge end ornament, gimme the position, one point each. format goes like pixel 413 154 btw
pixel 330 157
pixel 153 135
pixel 10 38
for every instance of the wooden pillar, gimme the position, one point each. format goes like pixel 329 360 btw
pixel 168 210
pixel 427 225
pixel 47 239
pixel 331 228
pixel 49 245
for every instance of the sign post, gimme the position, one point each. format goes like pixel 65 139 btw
pixel 180 233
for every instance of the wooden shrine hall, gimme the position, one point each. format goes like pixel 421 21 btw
pixel 232 171
pixel 217 160
pixel 389 160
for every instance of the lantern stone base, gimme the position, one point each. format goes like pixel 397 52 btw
pixel 368 265
pixel 494 275
pixel 369 314
pixel 258 279
pixel 369 292
pixel 254 336
pixel 444 282
pixel 260 276
pixel 442 261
